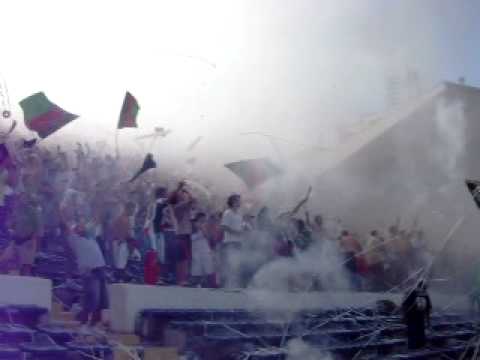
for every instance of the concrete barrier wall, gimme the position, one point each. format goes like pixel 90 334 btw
pixel 127 300
pixel 24 290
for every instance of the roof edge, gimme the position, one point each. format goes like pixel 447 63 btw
pixel 461 87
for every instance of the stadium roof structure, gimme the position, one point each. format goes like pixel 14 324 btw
pixel 377 125
pixel 412 163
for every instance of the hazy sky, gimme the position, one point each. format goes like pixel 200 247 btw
pixel 290 68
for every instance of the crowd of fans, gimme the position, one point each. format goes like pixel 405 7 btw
pixel 79 200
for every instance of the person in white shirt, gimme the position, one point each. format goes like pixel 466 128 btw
pixel 230 251
pixel 91 263
pixel 182 206
pixel 127 251
pixel 232 220
pixel 87 252
pixel 123 229
pixel 202 257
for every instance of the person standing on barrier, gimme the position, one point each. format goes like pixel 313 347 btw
pixel 182 203
pixel 416 309
pixel 91 264
pixel 230 251
pixel 350 247
pixel 155 227
pixel 202 257
pixel 27 229
pixel 475 293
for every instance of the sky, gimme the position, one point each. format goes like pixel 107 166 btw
pixel 296 69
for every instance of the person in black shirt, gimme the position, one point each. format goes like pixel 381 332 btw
pixel 156 224
pixel 160 206
pixel 416 309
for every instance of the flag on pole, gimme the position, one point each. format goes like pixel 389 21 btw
pixel 254 172
pixel 474 188
pixel 148 163
pixel 43 116
pixel 28 144
pixel 191 160
pixel 194 143
pixel 158 132
pixel 128 115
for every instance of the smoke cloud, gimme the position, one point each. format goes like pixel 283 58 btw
pixel 299 350
pixel 305 72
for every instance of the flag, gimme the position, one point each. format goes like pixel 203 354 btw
pixel 43 116
pixel 194 143
pixel 474 188
pixel 157 133
pixel 128 115
pixel 148 163
pixel 160 131
pixel 191 160
pixel 254 172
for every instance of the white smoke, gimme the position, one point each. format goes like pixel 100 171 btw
pixel 321 262
pixel 299 350
pixel 273 286
pixel 451 126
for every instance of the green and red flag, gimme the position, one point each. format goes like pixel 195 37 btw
pixel 254 172
pixel 43 116
pixel 128 115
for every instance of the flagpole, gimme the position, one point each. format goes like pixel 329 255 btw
pixel 152 144
pixel 117 152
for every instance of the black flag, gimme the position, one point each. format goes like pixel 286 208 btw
pixel 474 188
pixel 148 164
pixel 28 144
pixel 194 143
